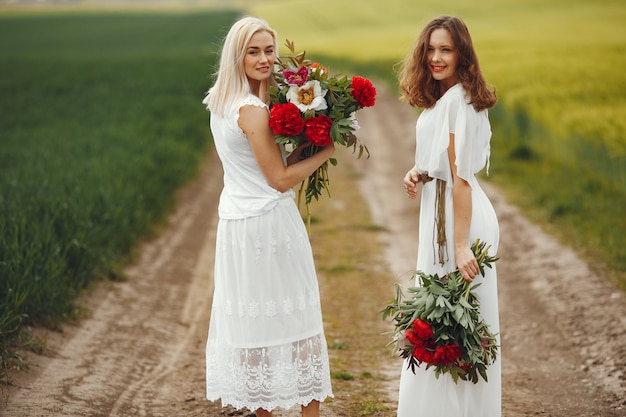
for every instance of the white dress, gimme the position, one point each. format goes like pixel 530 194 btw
pixel 422 394
pixel 266 346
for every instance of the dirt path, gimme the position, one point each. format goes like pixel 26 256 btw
pixel 141 351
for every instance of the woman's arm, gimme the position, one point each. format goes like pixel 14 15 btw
pixel 462 202
pixel 254 121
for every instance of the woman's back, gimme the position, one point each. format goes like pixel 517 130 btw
pixel 246 192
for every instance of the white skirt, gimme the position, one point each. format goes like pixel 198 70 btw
pixel 423 394
pixel 266 346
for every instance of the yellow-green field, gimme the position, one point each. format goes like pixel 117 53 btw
pixel 559 147
pixel 563 61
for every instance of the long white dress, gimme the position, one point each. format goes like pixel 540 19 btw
pixel 266 346
pixel 422 394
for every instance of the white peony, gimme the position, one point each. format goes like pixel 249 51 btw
pixel 309 96
pixel 354 123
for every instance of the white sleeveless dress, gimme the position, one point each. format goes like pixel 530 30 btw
pixel 422 394
pixel 266 346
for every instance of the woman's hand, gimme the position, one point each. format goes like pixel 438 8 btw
pixel 466 262
pixel 410 182
pixel 296 154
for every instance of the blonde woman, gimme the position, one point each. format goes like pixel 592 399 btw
pixel 443 77
pixel 266 346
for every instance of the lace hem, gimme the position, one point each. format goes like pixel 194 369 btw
pixel 269 377
pixel 271 406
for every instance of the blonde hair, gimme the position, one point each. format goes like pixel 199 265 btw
pixel 231 84
pixel 418 86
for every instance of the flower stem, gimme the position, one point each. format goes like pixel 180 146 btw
pixel 326 180
pixel 308 218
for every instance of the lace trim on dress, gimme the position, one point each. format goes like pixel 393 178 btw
pixel 276 245
pixel 250 100
pixel 269 377
pixel 272 307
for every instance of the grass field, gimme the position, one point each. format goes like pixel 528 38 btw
pixel 101 121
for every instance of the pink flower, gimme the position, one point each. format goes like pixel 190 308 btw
pixel 403 341
pixel 484 342
pixel 297 77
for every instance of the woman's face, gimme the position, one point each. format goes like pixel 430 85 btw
pixel 260 56
pixel 442 57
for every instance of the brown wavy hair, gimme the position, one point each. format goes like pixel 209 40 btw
pixel 418 86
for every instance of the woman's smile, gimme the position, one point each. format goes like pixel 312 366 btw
pixel 442 57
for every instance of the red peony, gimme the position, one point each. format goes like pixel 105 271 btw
pixel 412 337
pixel 447 354
pixel 423 354
pixel 317 130
pixel 422 329
pixel 363 91
pixel 285 119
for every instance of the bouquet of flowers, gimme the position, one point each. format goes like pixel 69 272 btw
pixel 440 324
pixel 308 104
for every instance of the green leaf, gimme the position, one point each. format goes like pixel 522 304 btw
pixel 430 301
pixel 437 290
pixel 465 304
pixel 483 372
pixel 441 301
pixel 463 321
pixel 458 312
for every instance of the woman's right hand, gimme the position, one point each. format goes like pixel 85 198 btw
pixel 410 182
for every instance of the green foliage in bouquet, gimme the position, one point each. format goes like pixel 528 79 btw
pixel 440 324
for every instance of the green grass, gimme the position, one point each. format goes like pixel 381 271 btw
pixel 100 123
pixel 559 145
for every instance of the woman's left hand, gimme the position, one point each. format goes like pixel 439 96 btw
pixel 467 263
pixel 410 180
pixel 296 154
